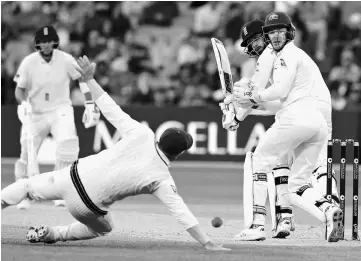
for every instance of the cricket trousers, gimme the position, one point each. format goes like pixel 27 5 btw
pixel 61 124
pixel 63 184
pixel 299 130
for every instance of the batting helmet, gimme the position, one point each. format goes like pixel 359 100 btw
pixel 250 30
pixel 279 20
pixel 46 34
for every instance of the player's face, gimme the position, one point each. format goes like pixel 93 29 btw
pixel 278 38
pixel 258 43
pixel 46 47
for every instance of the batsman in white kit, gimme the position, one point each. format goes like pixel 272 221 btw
pixel 43 92
pixel 137 164
pixel 303 123
pixel 276 182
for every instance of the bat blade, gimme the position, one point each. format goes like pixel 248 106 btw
pixel 223 65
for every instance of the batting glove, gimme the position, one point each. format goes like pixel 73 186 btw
pixel 91 114
pixel 244 92
pixel 24 111
pixel 228 118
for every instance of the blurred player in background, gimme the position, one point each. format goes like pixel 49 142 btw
pixel 43 93
pixel 319 92
pixel 137 164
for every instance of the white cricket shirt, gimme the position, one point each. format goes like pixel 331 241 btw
pixel 296 76
pixel 48 84
pixel 134 165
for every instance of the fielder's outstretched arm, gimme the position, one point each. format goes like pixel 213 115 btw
pixel 111 111
pixel 167 193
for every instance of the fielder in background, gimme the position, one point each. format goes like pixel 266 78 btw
pixel 137 164
pixel 302 124
pixel 43 93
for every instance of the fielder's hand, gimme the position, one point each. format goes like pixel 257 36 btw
pixel 91 114
pixel 24 110
pixel 215 247
pixel 86 69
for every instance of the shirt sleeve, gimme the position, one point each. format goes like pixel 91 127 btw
pixel 22 75
pixel 167 193
pixel 284 74
pixel 116 116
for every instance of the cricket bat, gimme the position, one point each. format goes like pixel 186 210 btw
pixel 224 67
pixel 225 75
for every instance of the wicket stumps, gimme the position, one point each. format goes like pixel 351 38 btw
pixel 355 179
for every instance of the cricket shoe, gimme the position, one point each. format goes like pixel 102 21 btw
pixel 254 233
pixel 283 229
pixel 41 234
pixel 334 226
pixel 24 204
pixel 59 203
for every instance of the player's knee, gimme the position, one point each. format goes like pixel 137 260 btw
pixel 300 190
pixel 103 230
pixel 321 172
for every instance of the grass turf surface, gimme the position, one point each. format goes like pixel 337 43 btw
pixel 144 230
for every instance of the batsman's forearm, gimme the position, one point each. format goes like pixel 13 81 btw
pixel 198 235
pixel 88 96
pixel 95 89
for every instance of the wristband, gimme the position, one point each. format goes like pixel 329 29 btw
pixel 83 87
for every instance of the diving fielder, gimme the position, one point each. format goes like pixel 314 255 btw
pixel 137 164
pixel 304 97
pixel 43 94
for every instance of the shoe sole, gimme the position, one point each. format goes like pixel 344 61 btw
pixel 282 234
pixel 337 227
pixel 41 234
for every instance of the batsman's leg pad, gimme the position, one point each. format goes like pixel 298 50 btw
pixel 254 194
pixel 67 152
pixel 284 208
pixel 260 193
pixel 319 180
pixel 309 199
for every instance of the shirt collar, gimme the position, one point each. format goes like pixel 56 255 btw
pixel 53 59
pixel 161 154
pixel 290 44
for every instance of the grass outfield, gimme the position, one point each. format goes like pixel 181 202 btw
pixel 144 230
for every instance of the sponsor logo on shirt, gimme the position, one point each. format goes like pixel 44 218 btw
pixel 283 63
